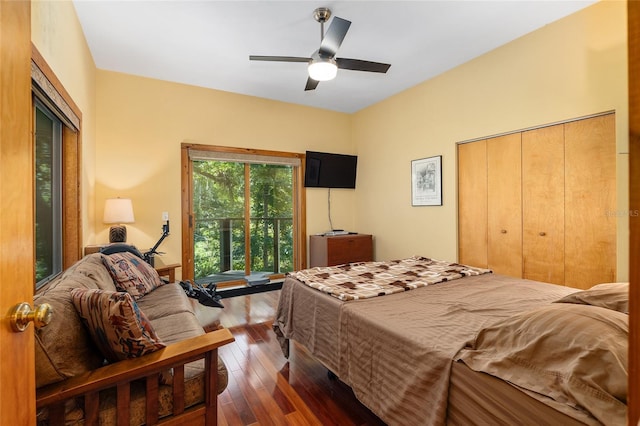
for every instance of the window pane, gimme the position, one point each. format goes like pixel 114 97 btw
pixel 271 218
pixel 48 235
pixel 218 205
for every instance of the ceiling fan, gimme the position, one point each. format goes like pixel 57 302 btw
pixel 323 65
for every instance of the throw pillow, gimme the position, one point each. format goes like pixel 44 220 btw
pixel 131 274
pixel 116 324
pixel 614 296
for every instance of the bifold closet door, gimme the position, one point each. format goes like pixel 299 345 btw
pixel 472 203
pixel 543 170
pixel 590 202
pixel 504 194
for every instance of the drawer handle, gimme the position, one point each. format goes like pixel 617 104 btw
pixel 504 231
pixel 542 233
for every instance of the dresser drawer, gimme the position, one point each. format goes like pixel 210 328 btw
pixel 339 249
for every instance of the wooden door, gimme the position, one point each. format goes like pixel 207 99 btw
pixel 633 401
pixel 504 192
pixel 590 202
pixel 472 204
pixel 17 375
pixel 543 204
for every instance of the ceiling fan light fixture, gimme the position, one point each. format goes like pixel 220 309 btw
pixel 322 65
pixel 323 69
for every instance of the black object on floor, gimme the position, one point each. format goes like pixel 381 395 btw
pixel 207 296
pixel 225 293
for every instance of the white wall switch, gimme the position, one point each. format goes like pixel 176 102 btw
pixel 165 216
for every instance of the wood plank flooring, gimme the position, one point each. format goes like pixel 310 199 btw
pixel 267 389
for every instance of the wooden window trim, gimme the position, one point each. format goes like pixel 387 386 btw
pixel 46 82
pixel 299 203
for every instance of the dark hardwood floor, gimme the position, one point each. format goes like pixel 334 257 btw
pixel 264 387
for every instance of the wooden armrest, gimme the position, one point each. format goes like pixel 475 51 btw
pixel 128 370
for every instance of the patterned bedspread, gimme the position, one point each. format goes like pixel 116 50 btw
pixel 369 279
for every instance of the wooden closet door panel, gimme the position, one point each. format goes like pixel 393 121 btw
pixel 504 179
pixel 590 202
pixel 543 204
pixel 472 203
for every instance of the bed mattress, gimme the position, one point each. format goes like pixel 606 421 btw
pixel 396 351
pixel 481 399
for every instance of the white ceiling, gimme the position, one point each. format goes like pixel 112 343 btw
pixel 208 43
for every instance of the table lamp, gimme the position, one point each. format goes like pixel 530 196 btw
pixel 118 211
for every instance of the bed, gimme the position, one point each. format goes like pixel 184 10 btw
pixel 463 346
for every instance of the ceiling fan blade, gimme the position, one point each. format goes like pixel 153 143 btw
pixel 311 84
pixel 360 65
pixel 334 36
pixel 278 58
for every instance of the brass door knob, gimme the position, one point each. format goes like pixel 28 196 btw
pixel 22 314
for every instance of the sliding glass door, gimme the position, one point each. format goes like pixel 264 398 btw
pixel 243 221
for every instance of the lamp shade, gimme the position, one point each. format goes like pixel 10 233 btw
pixel 118 210
pixel 323 69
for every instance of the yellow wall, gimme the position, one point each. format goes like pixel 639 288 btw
pixel 133 127
pixel 142 122
pixel 571 68
pixel 57 34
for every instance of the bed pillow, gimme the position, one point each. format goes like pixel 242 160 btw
pixel 116 324
pixel 613 296
pixel 131 274
pixel 574 354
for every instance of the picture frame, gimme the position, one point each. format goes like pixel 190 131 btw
pixel 426 181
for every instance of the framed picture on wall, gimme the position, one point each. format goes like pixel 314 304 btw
pixel 426 181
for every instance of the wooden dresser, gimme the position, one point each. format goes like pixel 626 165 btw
pixel 339 249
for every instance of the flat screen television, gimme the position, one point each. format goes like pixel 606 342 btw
pixel 327 170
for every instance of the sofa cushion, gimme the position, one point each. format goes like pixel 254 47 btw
pixel 132 274
pixel 179 326
pixel 166 300
pixel 116 324
pixel 63 348
pixel 92 266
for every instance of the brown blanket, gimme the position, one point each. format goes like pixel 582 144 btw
pixel 396 351
pixel 364 280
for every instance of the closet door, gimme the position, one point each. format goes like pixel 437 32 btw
pixel 504 193
pixel 543 204
pixel 590 202
pixel 472 204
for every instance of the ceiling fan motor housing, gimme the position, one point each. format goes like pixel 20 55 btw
pixel 322 14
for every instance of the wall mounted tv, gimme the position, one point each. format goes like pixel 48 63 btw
pixel 326 170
